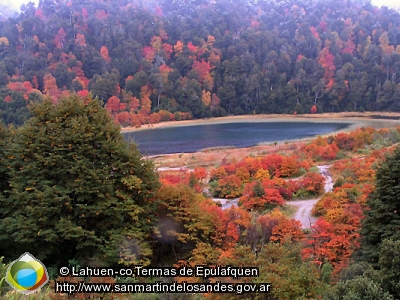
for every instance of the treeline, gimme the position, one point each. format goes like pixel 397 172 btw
pixel 162 60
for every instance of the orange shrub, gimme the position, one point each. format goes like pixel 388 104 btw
pixel 255 196
pixel 229 187
pixel 313 183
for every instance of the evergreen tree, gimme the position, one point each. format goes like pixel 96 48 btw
pixel 4 178
pixel 258 190
pixel 361 281
pixel 77 190
pixel 382 220
pixel 389 264
pixel 4 136
pixel 358 288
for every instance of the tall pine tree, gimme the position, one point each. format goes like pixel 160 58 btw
pixel 382 220
pixel 4 140
pixel 77 190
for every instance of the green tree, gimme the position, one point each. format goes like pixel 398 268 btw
pixel 382 220
pixel 326 272
pixel 389 263
pixel 280 265
pixel 77 189
pixel 361 281
pixel 258 190
pixel 358 288
pixel 4 139
pixel 4 178
pixel 14 112
pixel 104 86
pixel 182 222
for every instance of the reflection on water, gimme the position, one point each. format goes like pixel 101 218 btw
pixel 196 137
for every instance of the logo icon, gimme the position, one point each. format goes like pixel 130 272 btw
pixel 26 274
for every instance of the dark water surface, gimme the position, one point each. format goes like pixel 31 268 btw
pixel 197 137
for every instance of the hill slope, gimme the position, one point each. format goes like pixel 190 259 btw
pixel 163 60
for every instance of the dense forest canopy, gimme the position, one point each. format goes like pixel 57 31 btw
pixel 159 60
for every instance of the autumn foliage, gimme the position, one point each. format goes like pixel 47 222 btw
pixel 148 62
pixel 255 196
pixel 320 149
pixel 264 184
pixel 335 236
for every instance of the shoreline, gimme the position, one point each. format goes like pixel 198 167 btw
pixel 356 120
pixel 213 156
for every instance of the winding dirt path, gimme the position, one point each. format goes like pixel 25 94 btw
pixel 304 207
pixel 226 203
pixel 303 213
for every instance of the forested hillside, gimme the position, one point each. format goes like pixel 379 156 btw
pixel 152 61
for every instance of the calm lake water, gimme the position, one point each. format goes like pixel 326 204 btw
pixel 197 137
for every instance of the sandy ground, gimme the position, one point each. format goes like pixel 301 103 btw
pixel 226 203
pixel 303 213
pixel 209 159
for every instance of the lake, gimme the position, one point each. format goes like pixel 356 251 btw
pixel 193 138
